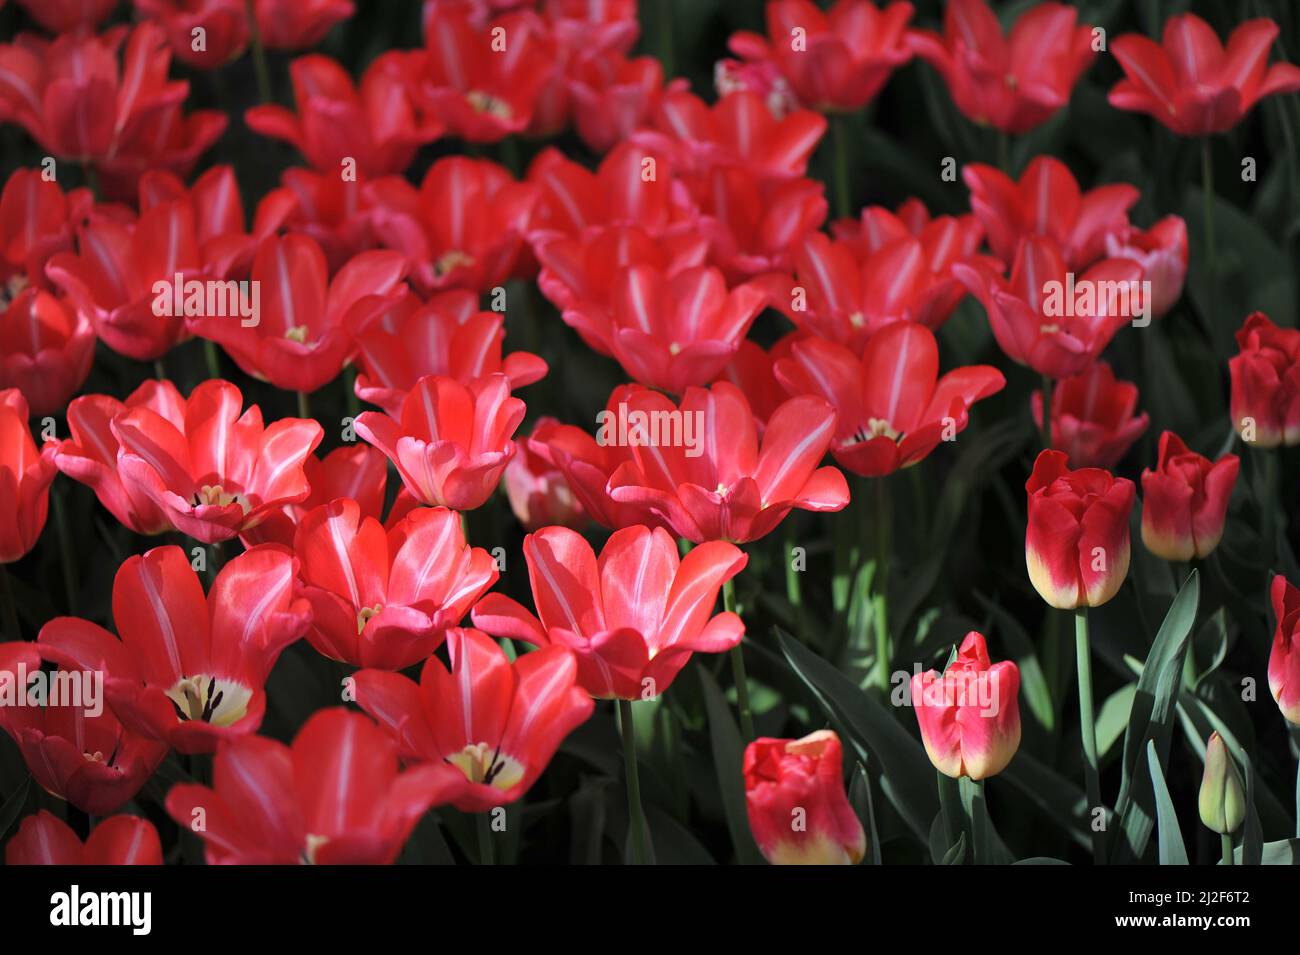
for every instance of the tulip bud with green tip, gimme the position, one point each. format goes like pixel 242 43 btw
pixel 1223 800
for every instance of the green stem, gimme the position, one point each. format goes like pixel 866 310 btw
pixel 304 405
pixel 92 178
pixel 1045 429
pixel 1004 152
pixel 793 591
pixel 880 583
pixel 486 849
pixel 635 815
pixel 259 56
pixel 212 359
pixel 11 631
pixel 1268 511
pixel 159 369
pixel 1225 841
pixel 70 579
pixel 1087 728
pixel 950 807
pixel 738 669
pixel 843 198
pixel 1211 256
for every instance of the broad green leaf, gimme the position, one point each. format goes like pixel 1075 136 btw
pixel 728 758
pixel 1169 836
pixel 1282 852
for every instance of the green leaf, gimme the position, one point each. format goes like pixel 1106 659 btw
pixel 1033 683
pixel 1170 837
pixel 1113 717
pixel 1152 721
pixel 957 854
pixel 1282 852
pixel 728 759
pixel 906 776
pixel 1040 860
pixel 860 799
pixel 1056 796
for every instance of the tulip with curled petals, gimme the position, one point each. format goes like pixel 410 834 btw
pixel 1265 373
pixel 1093 418
pixel 1185 501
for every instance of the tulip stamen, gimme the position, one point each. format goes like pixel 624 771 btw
pixel 450 261
pixel 11 290
pixel 216 494
pixel 484 102
pixel 363 617
pixel 207 699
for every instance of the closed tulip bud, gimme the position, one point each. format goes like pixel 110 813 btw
pixel 1223 799
pixel 1077 541
pixel 798 810
pixel 969 715
pixel 1284 660
pixel 1185 501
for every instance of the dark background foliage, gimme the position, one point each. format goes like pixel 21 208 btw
pixel 958 518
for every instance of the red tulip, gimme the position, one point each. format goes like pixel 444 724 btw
pixel 75 101
pixel 448 336
pixel 68 16
pixel 376 125
pixel 334 212
pixel 1192 83
pixel 464 227
pixel 45 839
pixel 334 797
pixel 752 371
pixel 385 600
pixel 36 220
pixel 298 24
pixel 45 349
pixel 752 225
pixel 1043 318
pixel 1266 383
pixel 76 749
pixel 494 722
pixel 1092 417
pixel 1162 253
pixel 1284 658
pixel 798 810
pixel 25 476
pixel 189 670
pixel 633 618
pixel 90 455
pixel 1047 202
pixel 970 714
pixel 215 474
pixel 1077 542
pixel 892 408
pixel 1012 83
pixel 224 24
pixel 604 26
pixel 354 471
pixel 613 96
pixel 299 341
pixel 757 76
pixel 538 492
pixel 451 441
pixel 124 276
pixel 737 132
pixel 714 480
pixel 944 241
pixel 837 60
pixel 485 81
pixel 1185 501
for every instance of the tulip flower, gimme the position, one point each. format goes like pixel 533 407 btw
pixel 494 723
pixel 1077 543
pixel 752 225
pixel 300 340
pixel 45 839
pixel 538 492
pixel 45 348
pixel 125 274
pixel 1162 253
pixel 892 408
pixel 716 480
pixel 1043 318
pixel 37 219
pixel 834 60
pixel 632 618
pixel 467 78
pixel 613 96
pixel 357 472
pixel 1284 659
pixel 448 336
pixel 385 599
pixel 74 747
pixel 1093 418
pixel 463 228
pixel 25 476
pixel 1222 800
pixel 451 442
pixel 1265 374
pixel 214 473
pixel 324 206
pixel 224 24
pixel 335 796
pixel 798 810
pixel 188 670
pixel 1047 201
pixel 604 26
pixel 298 24
pixel 375 125
pixel 68 16
pixel 90 456
pixel 752 370
pixel 1013 83
pixel 1185 501
pixel 1194 84
pixel 944 240
pixel 970 714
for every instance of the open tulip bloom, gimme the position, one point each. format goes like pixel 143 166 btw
pixel 531 431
